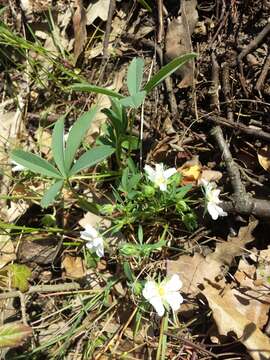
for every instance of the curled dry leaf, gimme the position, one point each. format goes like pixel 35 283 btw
pixel 79 25
pixel 178 39
pixel 198 270
pixel 264 158
pixel 74 267
pixel 230 319
pixel 7 251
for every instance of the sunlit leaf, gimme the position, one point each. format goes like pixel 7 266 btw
pixel 58 145
pixel 35 163
pixel 85 87
pixel 135 75
pixel 51 193
pixel 20 274
pixel 91 158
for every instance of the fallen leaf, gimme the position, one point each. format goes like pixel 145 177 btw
pixel 209 175
pixel 264 158
pixel 74 267
pixel 178 40
pixel 79 25
pixel 14 334
pixel 199 270
pixel 191 171
pixel 97 9
pixel 7 252
pixel 20 274
pixel 229 319
pixel 251 300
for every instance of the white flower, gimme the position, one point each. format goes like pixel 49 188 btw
pixel 16 166
pixel 94 240
pixel 164 293
pixel 159 176
pixel 211 198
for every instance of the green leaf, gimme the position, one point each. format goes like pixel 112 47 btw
pixel 13 334
pixel 85 87
pixel 168 70
pixel 135 75
pixel 134 101
pixel 76 135
pixel 58 145
pixel 51 193
pixel 35 163
pixel 91 158
pixel 20 275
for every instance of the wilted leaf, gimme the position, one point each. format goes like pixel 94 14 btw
pixel 229 319
pixel 12 335
pixel 20 274
pixel 264 158
pixel 7 253
pixel 74 267
pixel 79 25
pixel 199 270
pixel 191 171
pixel 178 39
pixel 97 9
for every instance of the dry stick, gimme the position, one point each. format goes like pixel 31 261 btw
pixel 242 202
pixel 226 90
pixel 263 74
pixel 108 29
pixel 255 42
pixel 42 289
pixel 160 21
pixel 258 133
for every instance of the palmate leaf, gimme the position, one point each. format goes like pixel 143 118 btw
pixel 76 135
pixel 58 145
pixel 35 163
pixel 168 70
pixel 135 75
pixel 51 193
pixel 13 334
pixel 91 158
pixel 85 87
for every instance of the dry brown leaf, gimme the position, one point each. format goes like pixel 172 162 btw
pixel 74 267
pixel 7 252
pixel 178 39
pixel 191 171
pixel 229 319
pixel 264 158
pixel 97 9
pixel 79 25
pixel 209 175
pixel 197 269
pixel 251 300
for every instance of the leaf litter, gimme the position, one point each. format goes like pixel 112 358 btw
pixel 230 277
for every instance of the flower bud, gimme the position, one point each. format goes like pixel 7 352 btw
pixel 149 190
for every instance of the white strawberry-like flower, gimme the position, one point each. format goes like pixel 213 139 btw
pixel 159 176
pixel 212 200
pixel 94 240
pixel 160 295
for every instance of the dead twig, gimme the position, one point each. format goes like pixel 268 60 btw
pixel 255 42
pixel 263 74
pixel 227 90
pixel 108 30
pixel 160 21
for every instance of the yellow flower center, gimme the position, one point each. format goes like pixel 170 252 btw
pixel 161 291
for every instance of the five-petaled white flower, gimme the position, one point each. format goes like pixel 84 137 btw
pixel 165 293
pixel 16 166
pixel 159 176
pixel 94 240
pixel 211 198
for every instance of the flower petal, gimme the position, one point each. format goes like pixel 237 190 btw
pixel 157 304
pixel 174 299
pixel 213 211
pixel 84 235
pixel 150 172
pixel 91 230
pixel 169 172
pixel 99 250
pixel 173 284
pixel 150 290
pixel 163 186
pixel 159 168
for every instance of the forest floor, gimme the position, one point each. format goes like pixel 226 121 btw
pixel 135 179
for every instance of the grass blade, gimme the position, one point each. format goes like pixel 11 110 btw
pixel 35 163
pixel 135 75
pixel 51 193
pixel 85 87
pixel 76 134
pixel 168 70
pixel 58 145
pixel 91 158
